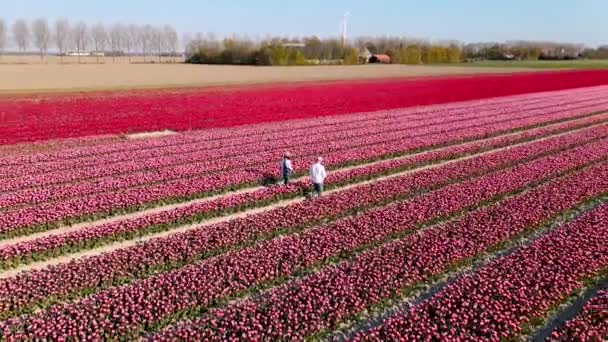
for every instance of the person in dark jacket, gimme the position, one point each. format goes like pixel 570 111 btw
pixel 286 167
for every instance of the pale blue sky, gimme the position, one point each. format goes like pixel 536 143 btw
pixel 583 21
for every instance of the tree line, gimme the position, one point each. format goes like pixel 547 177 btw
pixel 114 40
pixel 208 49
pixel 154 41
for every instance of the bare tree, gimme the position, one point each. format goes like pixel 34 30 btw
pixel 62 36
pixel 100 38
pixel 80 37
pixel 171 40
pixel 3 37
pixel 159 41
pixel 146 39
pixel 42 35
pixel 131 39
pixel 21 33
pixel 116 39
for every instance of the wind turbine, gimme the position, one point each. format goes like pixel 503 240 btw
pixel 344 26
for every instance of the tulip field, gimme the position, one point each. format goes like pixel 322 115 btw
pixel 462 217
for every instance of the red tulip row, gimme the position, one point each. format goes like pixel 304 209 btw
pixel 297 130
pixel 275 131
pixel 115 311
pixel 74 209
pixel 492 303
pixel 201 243
pixel 326 298
pixel 13 255
pixel 192 147
pixel 591 324
pixel 169 164
pixel 28 120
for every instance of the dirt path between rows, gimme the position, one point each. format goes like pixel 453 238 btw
pixel 129 243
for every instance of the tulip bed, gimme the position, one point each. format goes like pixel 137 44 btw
pixel 494 302
pixel 163 296
pixel 195 183
pixel 322 300
pixel 591 324
pixel 166 162
pixel 45 247
pixel 171 252
pixel 476 220
pixel 244 135
pixel 81 115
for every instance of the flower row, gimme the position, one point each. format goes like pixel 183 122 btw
pixel 37 249
pixel 275 131
pixel 50 214
pixel 79 115
pixel 355 127
pixel 115 311
pixel 494 302
pixel 171 162
pixel 206 241
pixel 591 324
pixel 323 300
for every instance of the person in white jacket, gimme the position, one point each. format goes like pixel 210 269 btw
pixel 317 176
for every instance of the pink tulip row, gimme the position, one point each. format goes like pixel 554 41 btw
pixel 27 152
pixel 163 168
pixel 327 298
pixel 591 324
pixel 32 196
pixel 170 163
pixel 203 242
pixel 49 214
pixel 478 147
pixel 15 254
pixel 275 131
pixel 148 301
pixel 494 302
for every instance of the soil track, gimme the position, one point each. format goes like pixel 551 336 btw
pixel 54 77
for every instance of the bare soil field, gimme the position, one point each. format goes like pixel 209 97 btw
pixel 56 77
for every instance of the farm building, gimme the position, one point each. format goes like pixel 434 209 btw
pixel 364 55
pixel 384 59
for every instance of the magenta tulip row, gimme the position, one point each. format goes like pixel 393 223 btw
pixel 47 215
pixel 323 300
pixel 169 164
pixel 494 302
pixel 480 146
pixel 11 255
pixel 591 324
pixel 275 131
pixel 116 311
pixel 203 242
